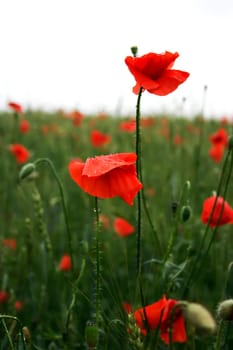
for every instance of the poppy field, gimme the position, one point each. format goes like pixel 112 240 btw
pixel 116 232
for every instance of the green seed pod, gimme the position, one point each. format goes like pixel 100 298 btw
pixel 186 213
pixel 134 50
pixel 26 170
pixel 91 334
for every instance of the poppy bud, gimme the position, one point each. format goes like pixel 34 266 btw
pixel 91 334
pixel 186 213
pixel 134 50
pixel 26 170
pixel 230 142
pixel 199 317
pixel 225 310
pixel 174 207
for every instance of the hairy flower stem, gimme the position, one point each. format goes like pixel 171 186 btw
pixel 200 257
pixel 65 212
pixel 97 263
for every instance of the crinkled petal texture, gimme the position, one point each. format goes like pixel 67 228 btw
pixel 153 73
pixel 108 176
pixel 158 314
pixel 222 214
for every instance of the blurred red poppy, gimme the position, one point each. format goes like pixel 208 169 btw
pixel 99 139
pixel 108 176
pixel 20 152
pixel 24 126
pixel 220 137
pixel 158 315
pixel 216 152
pixel 104 221
pixel 153 73
pixel 4 296
pixel 65 263
pixel 128 126
pixel 18 305
pixel 10 243
pixel 122 227
pixel 223 213
pixel 127 307
pixel 15 107
pixel 77 117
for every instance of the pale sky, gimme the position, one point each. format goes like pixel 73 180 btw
pixel 70 53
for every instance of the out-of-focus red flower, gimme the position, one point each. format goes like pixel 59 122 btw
pixel 24 126
pixel 108 176
pixel 4 296
pixel 147 122
pixel 77 117
pixel 224 120
pixel 127 307
pixel 222 214
pixel 122 227
pixel 150 191
pixel 216 152
pixel 178 140
pixel 153 73
pixel 16 107
pixel 65 263
pixel 104 220
pixel 128 126
pixel 10 243
pixel 20 152
pixel 158 315
pixel 18 305
pixel 220 137
pixel 99 139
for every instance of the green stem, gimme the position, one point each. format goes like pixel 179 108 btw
pixel 60 186
pixel 13 318
pixel 219 335
pixel 97 264
pixel 200 257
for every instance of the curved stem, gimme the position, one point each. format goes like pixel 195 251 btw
pixel 60 186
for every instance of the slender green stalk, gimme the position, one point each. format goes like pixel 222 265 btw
pixel 7 334
pixel 220 335
pixel 97 266
pixel 65 212
pixel 15 319
pixel 196 266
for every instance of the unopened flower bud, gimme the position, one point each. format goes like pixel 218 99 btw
pixel 225 310
pixel 26 334
pixel 91 334
pixel 186 213
pixel 26 170
pixel 199 317
pixel 134 50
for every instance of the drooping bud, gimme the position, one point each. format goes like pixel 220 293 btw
pixel 186 213
pixel 91 334
pixel 225 310
pixel 26 170
pixel 197 316
pixel 134 50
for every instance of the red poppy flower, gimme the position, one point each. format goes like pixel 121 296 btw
pixel 77 118
pixel 4 296
pixel 10 243
pixel 18 305
pixel 158 315
pixel 153 73
pixel 15 107
pixel 216 152
pixel 127 307
pixel 24 126
pixel 65 263
pixel 128 126
pixel 122 227
pixel 220 137
pixel 223 213
pixel 20 152
pixel 99 139
pixel 108 176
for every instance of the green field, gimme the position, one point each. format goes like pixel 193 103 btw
pixel 47 215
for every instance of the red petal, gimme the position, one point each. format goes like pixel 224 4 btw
pixel 103 164
pixel 168 82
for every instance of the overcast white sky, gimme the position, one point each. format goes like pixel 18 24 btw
pixel 70 53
